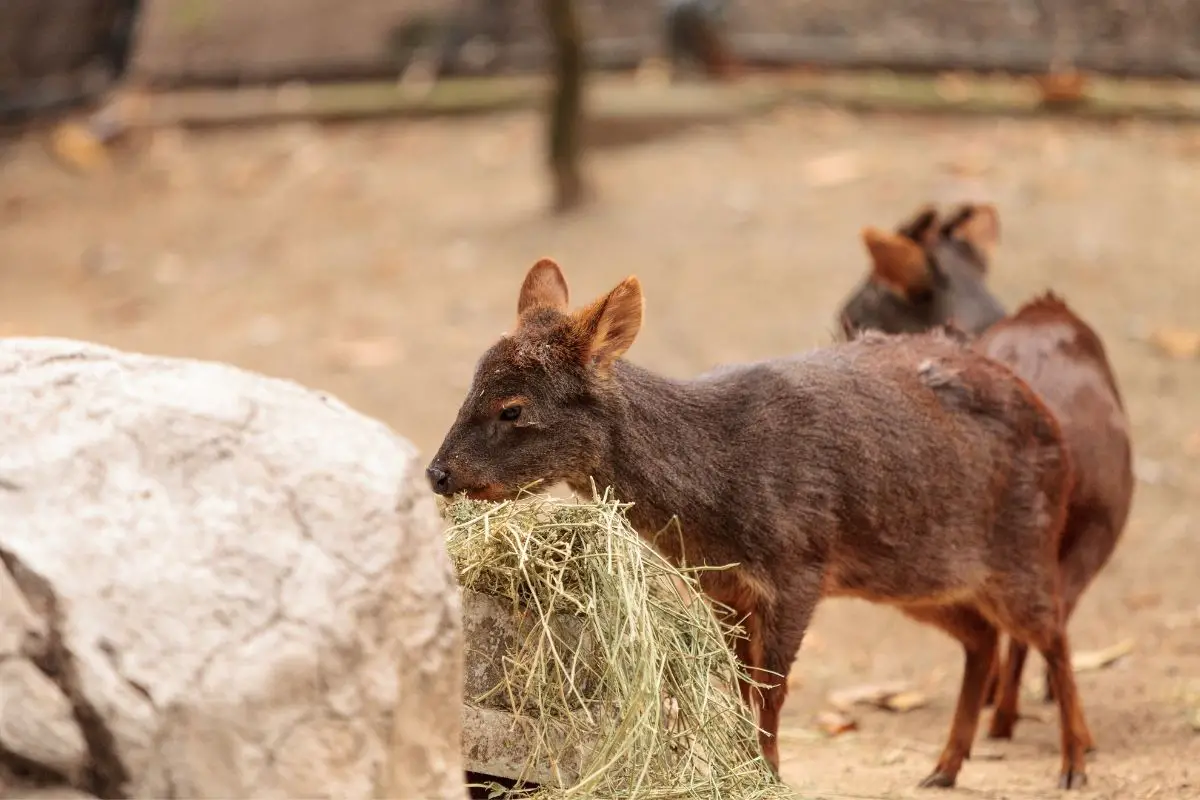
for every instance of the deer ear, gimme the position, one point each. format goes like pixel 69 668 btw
pixel 898 262
pixel 544 287
pixel 976 224
pixel 608 326
pixel 922 228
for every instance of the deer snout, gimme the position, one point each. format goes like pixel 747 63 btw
pixel 439 479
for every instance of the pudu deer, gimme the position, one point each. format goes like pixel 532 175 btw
pixel 909 471
pixel 926 273
pixel 931 273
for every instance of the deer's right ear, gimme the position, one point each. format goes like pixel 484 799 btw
pixel 544 287
pixel 608 326
pixel 898 262
pixel 922 228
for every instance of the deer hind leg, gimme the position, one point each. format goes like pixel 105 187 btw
pixel 980 640
pixel 1004 718
pixel 1055 648
pixel 1041 622
pixel 1078 566
pixel 993 682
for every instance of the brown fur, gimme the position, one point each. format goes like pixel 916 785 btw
pixel 927 273
pixel 1063 360
pixel 908 470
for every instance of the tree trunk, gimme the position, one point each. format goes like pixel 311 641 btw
pixel 566 105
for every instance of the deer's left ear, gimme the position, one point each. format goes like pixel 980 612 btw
pixel 608 326
pixel 978 224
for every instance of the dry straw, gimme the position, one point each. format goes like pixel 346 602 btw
pixel 648 695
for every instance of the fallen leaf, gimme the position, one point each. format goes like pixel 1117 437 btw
pixel 902 702
pixel 1142 601
pixel 835 723
pixel 1092 660
pixel 125 311
pixel 798 735
pixel 1177 343
pixel 870 693
pixel 78 149
pixel 1061 87
pixel 835 169
pixel 1185 619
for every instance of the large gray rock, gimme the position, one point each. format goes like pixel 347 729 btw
pixel 215 584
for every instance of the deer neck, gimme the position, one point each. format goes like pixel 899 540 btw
pixel 660 448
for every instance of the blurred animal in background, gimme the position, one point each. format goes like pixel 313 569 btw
pixel 463 41
pixel 117 35
pixel 926 273
pixel 694 36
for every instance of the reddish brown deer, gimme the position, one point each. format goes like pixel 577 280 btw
pixel 1047 345
pixel 908 470
pixel 1063 360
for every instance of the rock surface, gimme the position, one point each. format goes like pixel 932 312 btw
pixel 216 584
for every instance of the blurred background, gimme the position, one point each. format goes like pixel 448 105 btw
pixel 347 193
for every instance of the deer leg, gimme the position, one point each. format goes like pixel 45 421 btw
pixel 993 681
pixel 748 649
pixel 783 633
pixel 979 639
pixel 1004 718
pixel 1070 600
pixel 1075 734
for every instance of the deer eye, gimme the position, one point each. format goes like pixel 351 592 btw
pixel 510 414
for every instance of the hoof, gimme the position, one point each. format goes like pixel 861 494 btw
pixel 938 780
pixel 1072 780
pixel 1001 728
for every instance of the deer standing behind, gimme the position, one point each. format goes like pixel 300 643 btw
pixel 1050 347
pixel 903 470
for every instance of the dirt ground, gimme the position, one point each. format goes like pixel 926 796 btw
pixel 377 262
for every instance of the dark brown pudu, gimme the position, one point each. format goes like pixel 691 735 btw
pixel 928 273
pixel 1063 360
pixel 906 470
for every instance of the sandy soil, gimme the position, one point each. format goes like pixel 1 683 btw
pixel 377 262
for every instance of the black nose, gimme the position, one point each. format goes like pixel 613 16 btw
pixel 439 478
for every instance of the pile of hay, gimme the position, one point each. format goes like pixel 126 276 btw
pixel 653 702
